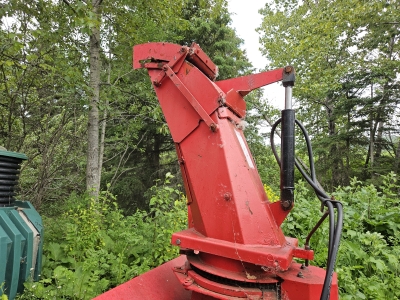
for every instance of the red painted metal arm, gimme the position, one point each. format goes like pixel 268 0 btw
pixel 246 84
pixel 154 55
pixel 145 53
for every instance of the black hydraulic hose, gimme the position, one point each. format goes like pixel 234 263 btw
pixel 308 238
pixel 331 212
pixel 271 138
pixel 335 228
pixel 330 268
pixel 309 150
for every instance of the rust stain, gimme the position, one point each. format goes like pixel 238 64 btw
pixel 248 206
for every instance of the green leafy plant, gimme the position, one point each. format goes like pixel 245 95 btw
pixel 93 247
pixel 368 262
pixel 3 295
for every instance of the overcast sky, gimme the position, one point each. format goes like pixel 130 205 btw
pixel 245 19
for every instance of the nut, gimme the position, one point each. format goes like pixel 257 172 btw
pixel 227 196
pixel 286 204
pixel 188 281
pixel 213 127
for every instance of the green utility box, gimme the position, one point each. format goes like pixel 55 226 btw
pixel 21 231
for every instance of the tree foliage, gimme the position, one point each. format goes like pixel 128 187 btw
pixel 91 246
pixel 54 90
pixel 59 97
pixel 368 259
pixel 347 57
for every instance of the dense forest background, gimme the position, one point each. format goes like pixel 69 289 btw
pixel 92 127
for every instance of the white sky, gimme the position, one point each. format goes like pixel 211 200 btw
pixel 245 19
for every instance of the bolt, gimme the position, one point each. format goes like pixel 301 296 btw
pixel 213 127
pixel 183 49
pixel 178 242
pixel 227 196
pixel 288 69
pixel 286 203
pixel 300 275
pixel 188 281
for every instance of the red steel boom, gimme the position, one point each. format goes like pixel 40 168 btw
pixel 234 247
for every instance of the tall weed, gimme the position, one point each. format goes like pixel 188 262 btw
pixel 368 262
pixel 92 247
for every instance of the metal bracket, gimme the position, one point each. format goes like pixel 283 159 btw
pixel 175 65
pixel 192 100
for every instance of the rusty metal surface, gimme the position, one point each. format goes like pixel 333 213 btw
pixel 297 283
pixel 223 288
pixel 159 283
pixel 201 60
pixel 145 53
pixel 306 283
pixel 238 271
pixel 276 257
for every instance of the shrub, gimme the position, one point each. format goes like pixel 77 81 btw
pixel 367 264
pixel 92 246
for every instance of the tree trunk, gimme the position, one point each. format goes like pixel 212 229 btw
pixel 397 159
pixel 371 144
pixel 155 160
pixel 379 144
pixel 92 169
pixel 333 147
pixel 104 125
pixel 102 141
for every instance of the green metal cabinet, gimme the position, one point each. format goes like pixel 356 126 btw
pixel 21 230
pixel 21 244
